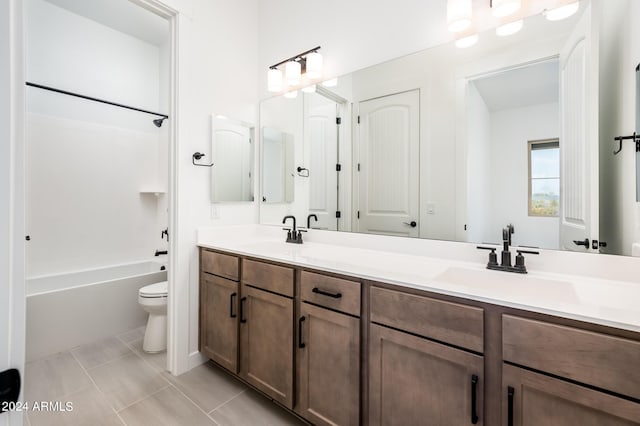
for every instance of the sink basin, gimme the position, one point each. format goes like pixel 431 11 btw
pixel 518 288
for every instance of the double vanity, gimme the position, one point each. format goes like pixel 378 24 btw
pixel 344 334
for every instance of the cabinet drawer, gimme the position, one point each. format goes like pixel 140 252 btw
pixel 277 279
pixel 592 358
pixel 335 293
pixel 447 322
pixel 219 264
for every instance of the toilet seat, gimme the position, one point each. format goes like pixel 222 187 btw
pixel 154 291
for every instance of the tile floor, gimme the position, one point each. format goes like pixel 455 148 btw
pixel 112 382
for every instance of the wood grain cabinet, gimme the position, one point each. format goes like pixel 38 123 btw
pixel 416 380
pixel 565 376
pixel 266 330
pixel 328 347
pixel 533 399
pixel 219 295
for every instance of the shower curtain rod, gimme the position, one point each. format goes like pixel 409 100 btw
pixel 77 95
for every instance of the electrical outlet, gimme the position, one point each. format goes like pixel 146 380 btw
pixel 431 209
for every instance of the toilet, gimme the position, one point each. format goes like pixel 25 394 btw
pixel 153 299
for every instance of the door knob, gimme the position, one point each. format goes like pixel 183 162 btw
pixel 584 243
pixel 412 224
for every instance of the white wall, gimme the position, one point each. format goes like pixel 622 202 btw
pixel 217 51
pixel 88 162
pixel 510 131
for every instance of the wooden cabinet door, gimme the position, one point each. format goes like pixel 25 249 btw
pixel 266 332
pixel 219 320
pixel 414 381
pixel 329 350
pixel 535 399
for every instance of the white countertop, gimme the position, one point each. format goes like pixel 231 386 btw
pixel 595 300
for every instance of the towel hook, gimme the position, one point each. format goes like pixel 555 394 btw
pixel 198 156
pixel 635 137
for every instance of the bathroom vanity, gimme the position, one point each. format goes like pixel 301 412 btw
pixel 349 335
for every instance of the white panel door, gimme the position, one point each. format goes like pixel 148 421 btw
pixel 232 163
pixel 579 189
pixel 12 231
pixel 321 150
pixel 388 180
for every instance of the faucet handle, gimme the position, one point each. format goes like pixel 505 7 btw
pixel 493 257
pixel 520 267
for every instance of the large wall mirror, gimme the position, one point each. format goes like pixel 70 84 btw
pixel 232 143
pixel 455 144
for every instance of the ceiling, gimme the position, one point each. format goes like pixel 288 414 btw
pixel 123 16
pixel 532 85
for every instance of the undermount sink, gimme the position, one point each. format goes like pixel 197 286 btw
pixel 521 288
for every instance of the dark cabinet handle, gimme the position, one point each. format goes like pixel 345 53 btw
pixel 584 243
pixel 412 224
pixel 242 318
pixel 300 342
pixel 326 293
pixel 510 392
pixel 231 314
pixel 474 397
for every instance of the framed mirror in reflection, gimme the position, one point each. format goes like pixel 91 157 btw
pixel 454 144
pixel 232 147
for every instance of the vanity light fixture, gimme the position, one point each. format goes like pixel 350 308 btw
pixel 333 82
pixel 510 28
pixel 309 63
pixel 458 15
pixel 502 8
pixel 292 73
pixel 562 12
pixel 291 94
pixel 468 41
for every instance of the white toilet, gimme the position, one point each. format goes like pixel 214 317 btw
pixel 153 299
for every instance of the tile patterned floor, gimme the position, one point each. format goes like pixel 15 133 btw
pixel 113 382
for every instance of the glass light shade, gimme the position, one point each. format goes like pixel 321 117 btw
pixel 502 8
pixel 292 73
pixel 314 65
pixel 309 89
pixel 562 12
pixel 469 41
pixel 291 95
pixel 458 15
pixel 510 28
pixel 274 80
pixel 330 83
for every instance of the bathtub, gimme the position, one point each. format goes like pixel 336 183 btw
pixel 78 307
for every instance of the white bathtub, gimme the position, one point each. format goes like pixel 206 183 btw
pixel 78 307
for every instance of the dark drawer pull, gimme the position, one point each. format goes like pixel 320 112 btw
pixel 474 408
pixel 510 392
pixel 300 342
pixel 242 318
pixel 231 314
pixel 326 293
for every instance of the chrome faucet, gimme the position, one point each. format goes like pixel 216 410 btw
pixel 293 235
pixel 505 264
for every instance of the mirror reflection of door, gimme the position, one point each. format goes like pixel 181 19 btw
pixel 579 207
pixel 321 154
pixel 233 160
pixel 388 164
pixel 512 155
pixel 277 166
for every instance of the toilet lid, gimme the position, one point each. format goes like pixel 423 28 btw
pixel 154 290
